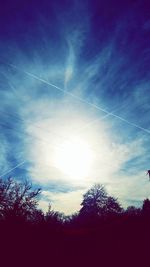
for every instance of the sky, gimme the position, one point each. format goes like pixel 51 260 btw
pixel 75 98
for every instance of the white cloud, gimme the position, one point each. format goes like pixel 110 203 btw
pixel 43 205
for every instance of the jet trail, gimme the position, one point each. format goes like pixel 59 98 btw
pixel 96 120
pixel 18 165
pixel 79 98
pixel 60 89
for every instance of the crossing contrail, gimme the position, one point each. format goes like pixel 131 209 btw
pixel 98 119
pixel 59 88
pixel 79 98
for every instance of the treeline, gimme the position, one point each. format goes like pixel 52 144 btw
pixel 102 231
pixel 19 204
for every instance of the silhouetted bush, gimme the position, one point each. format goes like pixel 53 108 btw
pixel 133 211
pixel 54 219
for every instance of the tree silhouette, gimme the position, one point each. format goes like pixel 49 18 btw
pixel 96 202
pixel 146 207
pixel 17 199
pixel 112 206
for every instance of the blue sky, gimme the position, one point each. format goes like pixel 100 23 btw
pixel 76 69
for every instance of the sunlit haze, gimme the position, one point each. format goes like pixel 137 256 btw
pixel 74 158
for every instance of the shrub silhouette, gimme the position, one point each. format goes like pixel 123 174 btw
pixel 133 211
pixel 54 219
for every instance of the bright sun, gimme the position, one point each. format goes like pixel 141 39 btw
pixel 74 158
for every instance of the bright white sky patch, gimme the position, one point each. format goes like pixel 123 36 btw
pixel 74 158
pixel 63 150
pixel 63 202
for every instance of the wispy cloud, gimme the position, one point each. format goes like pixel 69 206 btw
pixel 106 72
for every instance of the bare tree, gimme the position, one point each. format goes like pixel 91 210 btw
pixel 17 199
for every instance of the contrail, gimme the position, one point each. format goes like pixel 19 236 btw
pixel 18 165
pixel 79 98
pixel 99 119
pixel 58 88
pixel 131 123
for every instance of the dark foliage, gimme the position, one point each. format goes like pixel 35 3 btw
pixel 98 206
pixel 101 234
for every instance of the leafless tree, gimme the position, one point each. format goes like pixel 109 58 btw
pixel 17 199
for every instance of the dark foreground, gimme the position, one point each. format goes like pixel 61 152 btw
pixel 122 243
pixel 102 233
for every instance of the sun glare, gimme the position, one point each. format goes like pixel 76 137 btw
pixel 74 158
